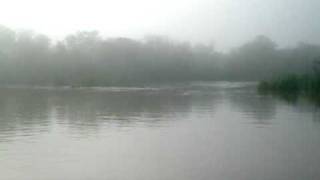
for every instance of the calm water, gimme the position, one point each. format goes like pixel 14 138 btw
pixel 200 131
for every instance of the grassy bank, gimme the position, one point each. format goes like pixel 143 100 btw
pixel 291 87
pixel 309 84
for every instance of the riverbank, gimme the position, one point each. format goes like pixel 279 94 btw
pixel 293 84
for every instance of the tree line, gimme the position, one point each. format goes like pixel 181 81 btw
pixel 88 59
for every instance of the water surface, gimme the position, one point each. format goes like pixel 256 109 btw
pixel 201 131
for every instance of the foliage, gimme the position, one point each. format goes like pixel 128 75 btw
pixel 309 84
pixel 88 59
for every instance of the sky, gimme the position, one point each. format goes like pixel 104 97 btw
pixel 223 23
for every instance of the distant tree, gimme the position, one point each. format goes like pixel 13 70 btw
pixel 316 65
pixel 7 39
pixel 87 59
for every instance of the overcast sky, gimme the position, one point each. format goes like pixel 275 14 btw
pixel 226 23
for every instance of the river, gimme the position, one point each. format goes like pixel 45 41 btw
pixel 195 131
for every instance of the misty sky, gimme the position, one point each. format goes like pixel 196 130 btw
pixel 226 23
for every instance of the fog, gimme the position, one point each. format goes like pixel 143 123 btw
pixel 224 23
pixel 166 89
pixel 86 58
pixel 102 43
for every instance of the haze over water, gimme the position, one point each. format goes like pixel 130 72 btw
pixel 187 131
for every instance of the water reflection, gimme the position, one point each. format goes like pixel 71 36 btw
pixel 300 103
pixel 184 132
pixel 26 112
pixel 260 110
pixel 123 109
